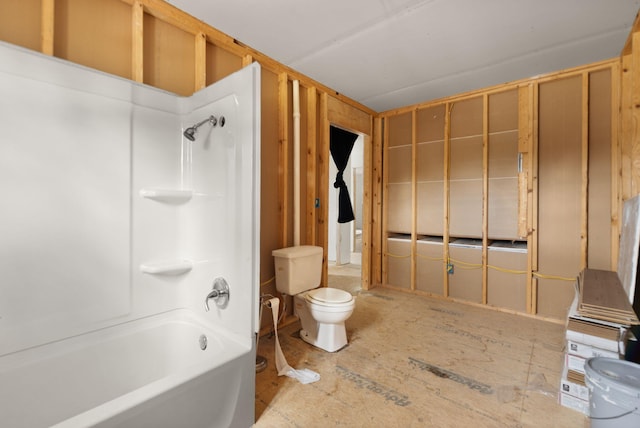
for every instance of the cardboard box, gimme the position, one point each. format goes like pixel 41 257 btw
pixel 594 341
pixel 588 351
pixel 575 363
pixel 574 403
pixel 573 388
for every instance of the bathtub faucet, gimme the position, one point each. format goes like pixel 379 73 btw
pixel 220 293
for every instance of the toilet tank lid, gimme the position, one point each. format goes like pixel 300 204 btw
pixel 330 295
pixel 299 251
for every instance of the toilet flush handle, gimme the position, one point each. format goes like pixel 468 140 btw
pixel 220 293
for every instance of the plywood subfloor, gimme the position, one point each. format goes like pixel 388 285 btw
pixel 418 362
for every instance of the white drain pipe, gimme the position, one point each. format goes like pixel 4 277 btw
pixel 296 163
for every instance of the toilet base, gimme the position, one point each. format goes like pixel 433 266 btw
pixel 329 337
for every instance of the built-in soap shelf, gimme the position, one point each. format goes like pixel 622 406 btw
pixel 175 196
pixel 173 267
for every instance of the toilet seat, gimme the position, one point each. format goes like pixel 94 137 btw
pixel 326 296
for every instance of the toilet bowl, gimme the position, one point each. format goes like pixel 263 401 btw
pixel 322 314
pixel 322 311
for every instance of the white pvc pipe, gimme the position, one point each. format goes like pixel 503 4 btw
pixel 296 163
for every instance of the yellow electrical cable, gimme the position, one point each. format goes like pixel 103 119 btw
pixel 561 278
pixel 397 256
pixel 267 281
pixel 469 266
pixel 435 259
pixel 505 270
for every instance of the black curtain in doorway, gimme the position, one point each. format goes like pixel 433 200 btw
pixel 340 145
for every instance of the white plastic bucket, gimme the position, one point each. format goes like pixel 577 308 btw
pixel 614 392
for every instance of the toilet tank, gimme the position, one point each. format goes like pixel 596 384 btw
pixel 298 269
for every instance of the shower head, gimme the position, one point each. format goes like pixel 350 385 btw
pixel 190 133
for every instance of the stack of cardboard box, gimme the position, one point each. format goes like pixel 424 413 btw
pixel 592 332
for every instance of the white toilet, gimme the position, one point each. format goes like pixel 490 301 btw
pixel 322 311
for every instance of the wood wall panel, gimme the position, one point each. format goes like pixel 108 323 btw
pixel 169 57
pixel 270 208
pixel 502 167
pixel 399 207
pixel 466 281
pixel 400 130
pixel 430 208
pixel 466 117
pixel 559 192
pixel 429 277
pixel 20 23
pixel 220 63
pixel 599 232
pixel 505 289
pixel 95 33
pixel 399 263
pixel 399 164
pixel 430 131
pixel 503 111
pixel 503 154
pixel 466 208
pixel 430 123
pixel 466 158
pixel 503 208
pixel 430 162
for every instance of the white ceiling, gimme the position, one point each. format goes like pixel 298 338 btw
pixel 392 53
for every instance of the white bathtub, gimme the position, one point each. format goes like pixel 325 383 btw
pixel 145 373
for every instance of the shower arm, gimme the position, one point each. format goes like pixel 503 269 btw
pixel 211 119
pixel 190 133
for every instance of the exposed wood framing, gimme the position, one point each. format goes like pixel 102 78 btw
pixel 605 64
pixel 414 201
pixel 584 227
pixel 367 215
pixel 179 19
pixel 137 40
pixel 447 167
pixel 524 143
pixel 626 128
pixel 485 194
pixel 323 180
pixel 376 201
pixel 312 189
pixel 634 137
pixel 616 207
pixel 385 202
pixel 47 26
pixel 625 139
pixel 200 80
pixel 347 117
pixel 525 180
pixel 626 50
pixel 532 239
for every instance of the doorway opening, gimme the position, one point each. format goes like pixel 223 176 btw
pixel 345 239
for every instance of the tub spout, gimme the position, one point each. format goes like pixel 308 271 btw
pixel 220 293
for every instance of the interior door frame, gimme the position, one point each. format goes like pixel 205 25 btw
pixel 337 113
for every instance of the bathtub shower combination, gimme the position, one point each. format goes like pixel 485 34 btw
pixel 129 251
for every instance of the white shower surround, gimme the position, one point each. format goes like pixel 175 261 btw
pixel 112 217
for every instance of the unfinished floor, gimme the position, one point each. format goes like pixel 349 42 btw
pixel 414 361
